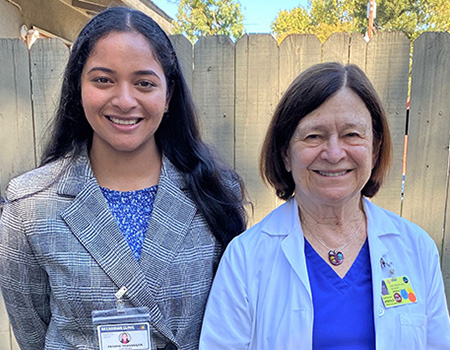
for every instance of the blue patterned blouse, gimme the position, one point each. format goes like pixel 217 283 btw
pixel 132 211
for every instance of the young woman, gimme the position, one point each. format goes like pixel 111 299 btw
pixel 127 196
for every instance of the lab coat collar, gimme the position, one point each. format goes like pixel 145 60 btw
pixel 283 221
pixel 377 219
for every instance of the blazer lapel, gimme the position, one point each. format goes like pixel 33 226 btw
pixel 172 215
pixel 91 221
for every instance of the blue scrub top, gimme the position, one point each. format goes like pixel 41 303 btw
pixel 343 307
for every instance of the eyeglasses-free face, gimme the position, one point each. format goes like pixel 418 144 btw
pixel 124 94
pixel 331 153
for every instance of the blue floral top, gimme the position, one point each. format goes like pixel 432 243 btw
pixel 132 211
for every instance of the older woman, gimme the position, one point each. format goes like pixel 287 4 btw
pixel 328 269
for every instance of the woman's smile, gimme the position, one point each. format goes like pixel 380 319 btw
pixel 129 121
pixel 331 173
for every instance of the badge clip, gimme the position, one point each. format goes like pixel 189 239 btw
pixel 119 295
pixel 390 265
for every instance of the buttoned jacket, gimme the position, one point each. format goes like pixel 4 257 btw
pixel 261 296
pixel 62 255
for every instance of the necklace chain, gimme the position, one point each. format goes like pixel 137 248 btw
pixel 335 256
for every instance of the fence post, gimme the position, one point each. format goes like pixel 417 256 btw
pixel 214 92
pixel 426 201
pixel 257 82
pixel 48 59
pixel 387 67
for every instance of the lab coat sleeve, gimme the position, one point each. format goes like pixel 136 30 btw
pixel 438 328
pixel 228 317
pixel 23 282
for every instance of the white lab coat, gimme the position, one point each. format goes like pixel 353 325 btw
pixel 261 297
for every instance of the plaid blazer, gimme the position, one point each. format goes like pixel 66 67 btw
pixel 62 255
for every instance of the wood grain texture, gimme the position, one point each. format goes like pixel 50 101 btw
pixel 428 140
pixel 427 174
pixel 184 50
pixel 358 51
pixel 214 92
pixel 297 53
pixel 256 98
pixel 16 119
pixel 388 67
pixel 48 58
pixel 17 153
pixel 337 48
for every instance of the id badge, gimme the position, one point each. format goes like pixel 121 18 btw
pixel 397 291
pixel 123 328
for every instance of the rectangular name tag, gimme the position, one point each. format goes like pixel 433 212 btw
pixel 123 327
pixel 397 291
pixel 135 336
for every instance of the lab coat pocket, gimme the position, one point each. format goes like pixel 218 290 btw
pixel 413 328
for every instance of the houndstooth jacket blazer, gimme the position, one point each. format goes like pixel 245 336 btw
pixel 62 255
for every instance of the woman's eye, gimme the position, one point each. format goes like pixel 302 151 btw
pixel 145 84
pixel 101 80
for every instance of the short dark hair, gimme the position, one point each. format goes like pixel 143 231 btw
pixel 305 94
pixel 177 137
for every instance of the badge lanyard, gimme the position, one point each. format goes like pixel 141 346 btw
pixel 123 327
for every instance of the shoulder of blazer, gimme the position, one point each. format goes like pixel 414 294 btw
pixel 54 174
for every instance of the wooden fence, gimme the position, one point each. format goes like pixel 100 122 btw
pixel 236 87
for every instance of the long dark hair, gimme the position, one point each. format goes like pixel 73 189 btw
pixel 306 93
pixel 177 137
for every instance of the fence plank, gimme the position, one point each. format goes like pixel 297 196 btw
pixel 428 139
pixel 256 97
pixel 358 51
pixel 16 119
pixel 297 53
pixel 16 131
pixel 427 174
pixel 213 87
pixel 184 50
pixel 48 59
pixel 388 69
pixel 337 48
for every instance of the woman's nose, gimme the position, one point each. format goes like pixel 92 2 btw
pixel 124 98
pixel 334 150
